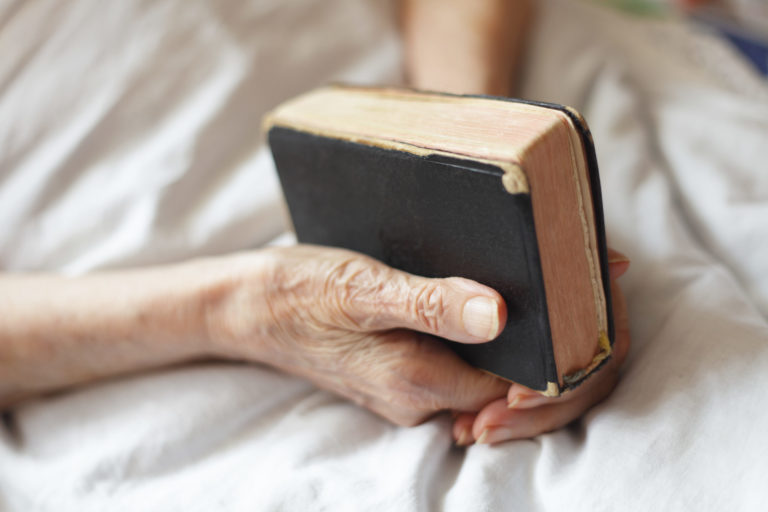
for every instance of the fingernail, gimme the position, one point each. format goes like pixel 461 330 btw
pixel 481 317
pixel 618 263
pixel 495 435
pixel 527 401
pixel 615 256
pixel 465 438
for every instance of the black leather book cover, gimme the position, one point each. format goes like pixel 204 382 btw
pixel 433 216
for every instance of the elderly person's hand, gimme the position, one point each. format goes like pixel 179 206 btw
pixel 353 325
pixel 347 322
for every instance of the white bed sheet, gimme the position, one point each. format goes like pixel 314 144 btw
pixel 130 135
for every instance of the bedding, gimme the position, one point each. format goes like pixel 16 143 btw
pixel 129 135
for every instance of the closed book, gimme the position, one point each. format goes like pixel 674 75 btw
pixel 505 192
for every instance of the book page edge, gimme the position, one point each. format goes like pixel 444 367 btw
pixel 514 179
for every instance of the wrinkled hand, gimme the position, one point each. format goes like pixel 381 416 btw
pixel 361 329
pixel 355 326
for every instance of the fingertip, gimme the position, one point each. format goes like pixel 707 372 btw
pixel 618 263
pixel 614 255
pixel 483 313
pixel 462 429
pixel 616 269
pixel 521 397
pixel 502 317
pixel 493 414
pixel 499 425
pixel 481 318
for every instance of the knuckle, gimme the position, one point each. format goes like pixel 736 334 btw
pixel 427 304
pixel 352 287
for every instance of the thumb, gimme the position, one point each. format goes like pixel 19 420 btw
pixel 378 297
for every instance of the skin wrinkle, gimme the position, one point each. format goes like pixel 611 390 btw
pixel 399 387
pixel 413 385
pixel 370 379
pixel 339 289
pixel 328 319
pixel 269 307
pixel 357 294
pixel 427 305
pixel 372 365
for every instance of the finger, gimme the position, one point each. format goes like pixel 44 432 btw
pixel 444 380
pixel 462 429
pixel 373 296
pixel 416 406
pixel 618 263
pixel 621 324
pixel 596 387
pixel 407 376
pixel 495 423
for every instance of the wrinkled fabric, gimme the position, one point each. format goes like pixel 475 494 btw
pixel 130 136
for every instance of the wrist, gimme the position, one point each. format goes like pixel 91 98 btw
pixel 231 293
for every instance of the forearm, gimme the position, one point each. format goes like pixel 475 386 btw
pixel 464 46
pixel 58 331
